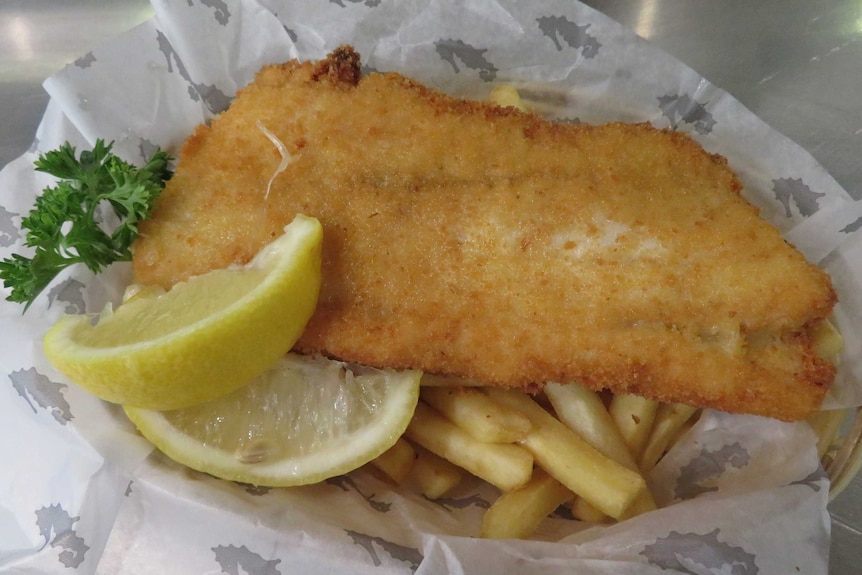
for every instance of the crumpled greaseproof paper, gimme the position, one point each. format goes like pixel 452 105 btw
pixel 82 493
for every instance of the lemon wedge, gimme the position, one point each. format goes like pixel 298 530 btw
pixel 304 420
pixel 201 339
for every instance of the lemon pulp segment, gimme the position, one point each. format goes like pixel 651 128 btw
pixel 302 421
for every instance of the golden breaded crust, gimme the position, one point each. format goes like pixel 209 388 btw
pixel 465 239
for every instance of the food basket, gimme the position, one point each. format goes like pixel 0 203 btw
pixel 128 506
pixel 843 459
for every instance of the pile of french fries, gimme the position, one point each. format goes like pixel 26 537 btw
pixel 566 446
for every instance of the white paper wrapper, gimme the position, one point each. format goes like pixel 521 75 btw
pixel 84 494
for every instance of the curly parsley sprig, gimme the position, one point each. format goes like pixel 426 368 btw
pixel 64 227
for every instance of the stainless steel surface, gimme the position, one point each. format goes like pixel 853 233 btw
pixel 797 64
pixel 37 38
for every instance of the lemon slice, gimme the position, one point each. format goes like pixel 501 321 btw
pixel 201 339
pixel 304 420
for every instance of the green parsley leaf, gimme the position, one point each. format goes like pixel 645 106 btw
pixel 64 226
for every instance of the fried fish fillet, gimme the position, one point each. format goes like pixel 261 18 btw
pixel 470 240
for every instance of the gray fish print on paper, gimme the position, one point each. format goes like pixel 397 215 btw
pixel 39 391
pixel 409 555
pixel 707 466
pixel 57 527
pixel 681 108
pixel 793 191
pixel 697 554
pixel 848 229
pixel 9 232
pixel 453 51
pixel 560 28
pixel 813 480
pixel 69 292
pixel 235 560
pixel 366 69
pixel 86 60
pixel 450 503
pixel 215 100
pixel 346 483
pixel 291 33
pixel 146 149
pixel 368 3
pixel 256 490
pixel 220 9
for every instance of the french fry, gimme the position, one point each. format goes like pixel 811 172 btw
pixel 582 510
pixel 633 416
pixel 669 419
pixel 828 341
pixel 397 461
pixel 516 514
pixel 432 475
pixel 586 512
pixel 507 96
pixel 608 486
pixel 685 428
pixel 477 414
pixel 583 411
pixel 507 466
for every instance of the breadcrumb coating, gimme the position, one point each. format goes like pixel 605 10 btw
pixel 470 240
